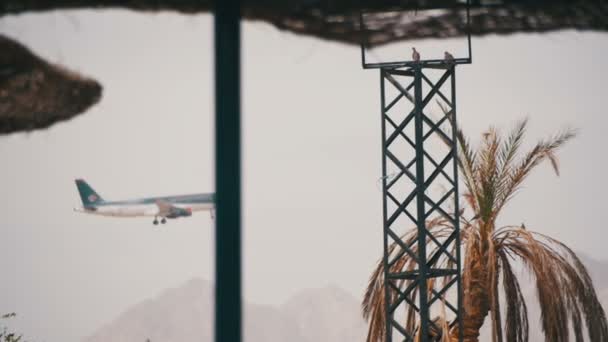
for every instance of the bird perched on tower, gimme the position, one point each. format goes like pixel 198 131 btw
pixel 415 55
pixel 448 57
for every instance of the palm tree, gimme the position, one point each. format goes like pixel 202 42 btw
pixel 7 336
pixel 492 175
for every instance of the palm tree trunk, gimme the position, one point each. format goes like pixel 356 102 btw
pixel 476 300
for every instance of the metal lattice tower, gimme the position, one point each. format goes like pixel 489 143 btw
pixel 420 198
pixel 420 189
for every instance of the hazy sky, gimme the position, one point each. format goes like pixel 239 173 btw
pixel 312 208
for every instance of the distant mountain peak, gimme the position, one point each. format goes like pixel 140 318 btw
pixel 185 313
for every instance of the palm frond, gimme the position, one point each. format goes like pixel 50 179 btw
pixel 543 150
pixel 555 266
pixel 595 316
pixel 467 159
pixel 508 152
pixel 516 320
pixel 493 275
pixel 510 146
pixel 486 174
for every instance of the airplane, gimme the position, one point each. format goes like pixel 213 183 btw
pixel 168 207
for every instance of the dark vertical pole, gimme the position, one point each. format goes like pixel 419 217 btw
pixel 468 28
pixel 362 45
pixel 227 172
pixel 387 296
pixel 420 217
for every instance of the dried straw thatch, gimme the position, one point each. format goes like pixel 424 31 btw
pixel 35 94
pixel 338 20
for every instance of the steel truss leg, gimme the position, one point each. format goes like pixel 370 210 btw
pixel 420 188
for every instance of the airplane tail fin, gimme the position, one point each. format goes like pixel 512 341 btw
pixel 88 196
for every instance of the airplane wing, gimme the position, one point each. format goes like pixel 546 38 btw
pixel 164 207
pixel 168 210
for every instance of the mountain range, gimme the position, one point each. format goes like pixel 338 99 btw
pixel 185 314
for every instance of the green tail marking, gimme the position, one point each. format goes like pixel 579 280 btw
pixel 88 196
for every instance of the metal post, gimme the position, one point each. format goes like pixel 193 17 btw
pixel 227 172
pixel 387 313
pixel 420 201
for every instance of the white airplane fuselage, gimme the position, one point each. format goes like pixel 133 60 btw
pixel 138 210
pixel 167 207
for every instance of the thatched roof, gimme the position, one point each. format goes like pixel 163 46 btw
pixel 35 94
pixel 338 20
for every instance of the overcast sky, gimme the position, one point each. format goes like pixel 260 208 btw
pixel 312 208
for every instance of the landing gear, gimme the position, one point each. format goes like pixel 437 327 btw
pixel 163 220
